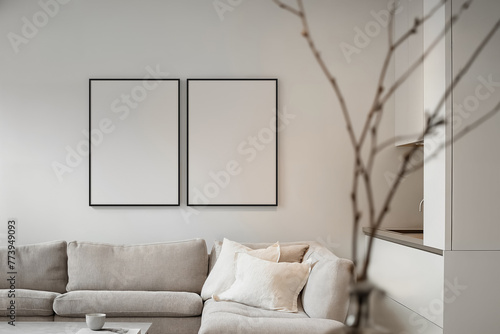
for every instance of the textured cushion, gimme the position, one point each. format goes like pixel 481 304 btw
pixel 129 303
pixel 230 318
pixel 31 319
pixel 176 266
pixel 293 253
pixel 222 275
pixel 326 293
pixel 39 266
pixel 264 284
pixel 30 303
pixel 289 251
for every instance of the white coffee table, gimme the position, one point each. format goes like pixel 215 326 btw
pixel 50 327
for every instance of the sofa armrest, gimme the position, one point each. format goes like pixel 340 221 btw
pixel 326 293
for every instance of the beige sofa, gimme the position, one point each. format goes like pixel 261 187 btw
pixel 161 283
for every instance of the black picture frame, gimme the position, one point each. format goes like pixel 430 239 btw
pixel 136 161
pixel 252 106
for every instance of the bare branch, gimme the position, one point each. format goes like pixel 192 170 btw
pixel 369 196
pixel 374 139
pixel 287 7
pixel 356 215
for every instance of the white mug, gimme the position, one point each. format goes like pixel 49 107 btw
pixel 95 321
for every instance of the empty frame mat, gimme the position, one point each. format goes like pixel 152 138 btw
pixel 134 141
pixel 232 142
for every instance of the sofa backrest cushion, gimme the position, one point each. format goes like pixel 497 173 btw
pixel 326 293
pixel 175 266
pixel 40 266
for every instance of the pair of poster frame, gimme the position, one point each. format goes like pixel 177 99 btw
pixel 132 168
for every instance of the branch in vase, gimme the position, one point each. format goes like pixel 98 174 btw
pixel 287 7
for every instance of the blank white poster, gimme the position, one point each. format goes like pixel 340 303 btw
pixel 134 140
pixel 232 142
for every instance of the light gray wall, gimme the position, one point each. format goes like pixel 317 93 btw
pixel 44 109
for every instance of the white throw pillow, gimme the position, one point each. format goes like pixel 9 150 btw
pixel 222 275
pixel 268 285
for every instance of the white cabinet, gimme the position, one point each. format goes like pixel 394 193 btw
pixel 476 157
pixel 400 319
pixel 409 109
pixel 412 277
pixel 462 182
pixel 472 297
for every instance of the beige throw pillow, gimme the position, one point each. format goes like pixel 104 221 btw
pixel 293 253
pixel 268 285
pixel 222 275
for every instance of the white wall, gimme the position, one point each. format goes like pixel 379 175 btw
pixel 44 108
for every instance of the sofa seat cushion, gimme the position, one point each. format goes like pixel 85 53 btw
pixel 212 307
pixel 129 303
pixel 173 266
pixel 231 317
pixel 28 303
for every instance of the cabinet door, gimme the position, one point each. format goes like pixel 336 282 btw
pixel 411 277
pixel 471 294
pixel 476 157
pixel 409 118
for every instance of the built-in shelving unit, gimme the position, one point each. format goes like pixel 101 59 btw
pixel 461 232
